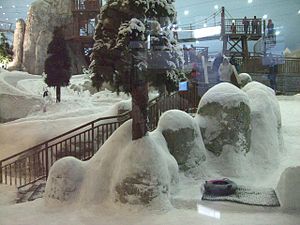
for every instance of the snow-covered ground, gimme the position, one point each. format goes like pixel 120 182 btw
pixel 77 108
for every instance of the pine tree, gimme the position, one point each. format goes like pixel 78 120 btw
pixel 57 64
pixel 120 55
pixel 5 49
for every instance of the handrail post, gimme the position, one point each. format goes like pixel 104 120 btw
pixel 47 160
pixel 93 138
pixel 0 172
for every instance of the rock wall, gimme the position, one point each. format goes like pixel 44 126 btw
pixel 18 45
pixel 43 17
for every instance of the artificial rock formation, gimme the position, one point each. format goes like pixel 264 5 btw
pixel 43 17
pixel 224 118
pixel 266 136
pixel 126 171
pixel 183 138
pixel 244 79
pixel 18 45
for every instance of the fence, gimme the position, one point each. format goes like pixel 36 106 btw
pixel 34 163
pixel 257 65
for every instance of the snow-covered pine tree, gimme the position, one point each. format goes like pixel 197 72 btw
pixel 5 50
pixel 58 63
pixel 120 54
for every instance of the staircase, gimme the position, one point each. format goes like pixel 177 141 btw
pixel 33 164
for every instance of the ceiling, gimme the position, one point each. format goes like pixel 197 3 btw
pixel 284 13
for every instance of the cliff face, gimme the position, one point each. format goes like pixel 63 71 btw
pixel 18 46
pixel 43 17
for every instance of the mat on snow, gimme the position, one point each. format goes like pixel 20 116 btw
pixel 249 196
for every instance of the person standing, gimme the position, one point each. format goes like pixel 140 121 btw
pixel 225 70
pixel 216 64
pixel 233 28
pixel 185 54
pixel 246 24
pixel 272 73
pixel 270 28
pixel 254 24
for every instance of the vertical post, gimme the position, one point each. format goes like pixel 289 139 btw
pixel 47 160
pixel 0 172
pixel 264 37
pixel 93 138
pixel 223 21
pixel 224 37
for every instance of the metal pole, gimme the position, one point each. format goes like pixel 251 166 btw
pixel 0 172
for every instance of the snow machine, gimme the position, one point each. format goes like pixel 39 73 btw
pixel 220 187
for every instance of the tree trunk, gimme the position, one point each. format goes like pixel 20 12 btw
pixel 58 93
pixel 140 99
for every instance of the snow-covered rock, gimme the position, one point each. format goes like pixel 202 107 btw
pixel 183 138
pixel 244 78
pixel 288 189
pixel 224 119
pixel 135 172
pixel 65 179
pixel 266 136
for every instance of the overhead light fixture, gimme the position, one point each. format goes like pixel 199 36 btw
pixel 13 6
pixel 299 11
pixel 186 12
pixel 216 7
pixel 277 32
pixel 250 1
pixel 265 16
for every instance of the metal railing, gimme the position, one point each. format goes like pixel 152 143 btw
pixel 34 163
pixel 257 65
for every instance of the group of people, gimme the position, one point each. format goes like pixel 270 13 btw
pixel 255 26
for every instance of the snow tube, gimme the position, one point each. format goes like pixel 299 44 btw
pixel 221 187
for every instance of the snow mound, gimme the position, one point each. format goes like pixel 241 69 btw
pixel 244 78
pixel 288 188
pixel 65 178
pixel 15 106
pixel 266 136
pixel 224 118
pixel 126 171
pixel 225 94
pixel 183 138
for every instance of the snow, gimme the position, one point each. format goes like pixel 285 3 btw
pixel 175 120
pixel 226 94
pixel 185 198
pixel 288 188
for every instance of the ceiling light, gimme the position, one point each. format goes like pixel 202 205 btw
pixel 250 1
pixel 277 32
pixel 3 13
pixel 186 12
pixel 265 16
pixel 216 7
pixel 13 6
pixel 204 25
pixel 299 11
